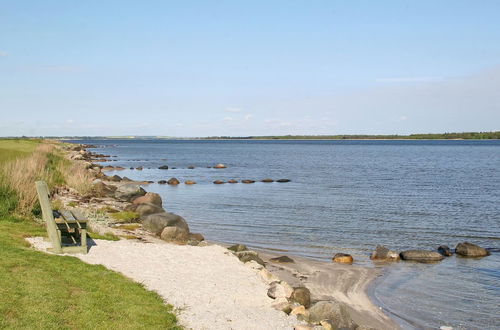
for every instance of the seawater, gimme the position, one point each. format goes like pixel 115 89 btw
pixel 347 196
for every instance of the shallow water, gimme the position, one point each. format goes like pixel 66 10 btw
pixel 347 196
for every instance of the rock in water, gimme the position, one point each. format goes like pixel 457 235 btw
pixel 384 254
pixel 247 181
pixel 162 182
pixel 445 251
pixel 155 223
pixel 173 181
pixel 219 182
pixel 302 295
pixel 152 198
pixel 220 166
pixel 282 259
pixel 421 255
pixel 283 180
pixel 467 249
pixel 164 167
pixel 267 180
pixel 115 178
pixel 342 258
pixel 128 192
pixel 232 181
pixel 189 182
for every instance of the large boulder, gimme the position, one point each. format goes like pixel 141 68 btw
pixel 128 192
pixel 337 313
pixel 152 198
pixel 382 253
pixel 421 255
pixel 155 223
pixel 467 249
pixel 146 209
pixel 301 295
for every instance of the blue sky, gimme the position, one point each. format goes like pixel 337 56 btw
pixel 201 68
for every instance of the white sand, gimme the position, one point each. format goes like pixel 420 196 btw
pixel 209 287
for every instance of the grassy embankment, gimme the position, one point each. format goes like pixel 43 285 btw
pixel 47 291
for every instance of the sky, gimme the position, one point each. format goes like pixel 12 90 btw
pixel 241 68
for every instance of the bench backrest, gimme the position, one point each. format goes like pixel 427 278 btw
pixel 52 230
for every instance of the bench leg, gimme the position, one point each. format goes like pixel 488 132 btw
pixel 83 239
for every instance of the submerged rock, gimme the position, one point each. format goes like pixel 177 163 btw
pixel 342 258
pixel 163 167
pixel 162 182
pixel 219 182
pixel 282 259
pixel 445 250
pixel 283 180
pixel 467 249
pixel 421 255
pixel 173 181
pixel 382 253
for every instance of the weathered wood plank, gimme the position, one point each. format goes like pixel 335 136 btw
pixel 52 230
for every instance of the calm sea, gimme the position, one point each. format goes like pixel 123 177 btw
pixel 347 196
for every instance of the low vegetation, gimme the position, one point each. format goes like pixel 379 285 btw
pixel 58 292
pixel 125 216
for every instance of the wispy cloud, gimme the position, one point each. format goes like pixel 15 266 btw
pixel 233 110
pixel 408 79
pixel 227 119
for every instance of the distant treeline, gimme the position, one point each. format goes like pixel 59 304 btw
pixel 441 136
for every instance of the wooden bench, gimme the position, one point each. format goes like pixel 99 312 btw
pixel 67 230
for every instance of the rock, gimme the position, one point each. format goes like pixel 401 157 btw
pixel 220 166
pixel 247 181
pixel 279 290
pixel 146 209
pixel 238 248
pixel 131 168
pixel 301 312
pixel 119 168
pixel 173 181
pixel 421 255
pixel 155 223
pixel 100 189
pixel 191 167
pixel 189 182
pixel 232 181
pixel 163 167
pixel 129 191
pixel 126 179
pixel 282 259
pixel 445 250
pixel 327 325
pixel 283 180
pixel 195 239
pixel 151 198
pixel 246 256
pixel 467 249
pixel 267 180
pixel 281 304
pixel 174 234
pixel 384 254
pixel 301 295
pixel 337 313
pixel 115 178
pixel 342 258
pixel 218 182
pixel 139 168
pixel 162 182
pixel 267 276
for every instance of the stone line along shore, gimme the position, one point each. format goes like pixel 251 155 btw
pixel 215 287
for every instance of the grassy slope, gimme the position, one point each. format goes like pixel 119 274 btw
pixel 48 291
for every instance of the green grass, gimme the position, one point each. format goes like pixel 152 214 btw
pixel 125 216
pixel 56 292
pixel 43 291
pixel 13 148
